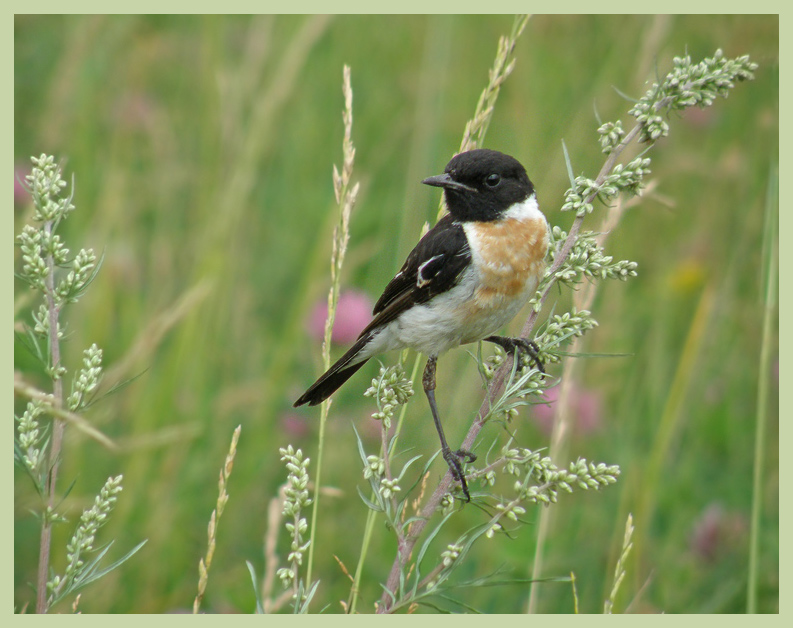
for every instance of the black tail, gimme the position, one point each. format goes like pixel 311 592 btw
pixel 335 376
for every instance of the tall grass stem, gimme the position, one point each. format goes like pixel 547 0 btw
pixel 770 255
pixel 345 197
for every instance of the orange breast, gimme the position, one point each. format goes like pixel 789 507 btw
pixel 511 259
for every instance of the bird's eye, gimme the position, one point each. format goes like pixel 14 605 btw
pixel 493 180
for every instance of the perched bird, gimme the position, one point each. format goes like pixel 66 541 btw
pixel 467 277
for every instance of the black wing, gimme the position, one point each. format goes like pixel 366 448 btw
pixel 433 267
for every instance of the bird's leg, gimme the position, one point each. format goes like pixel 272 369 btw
pixel 452 458
pixel 529 347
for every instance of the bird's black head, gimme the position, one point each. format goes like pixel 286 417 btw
pixel 482 184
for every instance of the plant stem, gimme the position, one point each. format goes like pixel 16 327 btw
pixel 58 427
pixel 345 197
pixel 769 303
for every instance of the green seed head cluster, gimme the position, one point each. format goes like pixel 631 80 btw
pixel 687 85
pixel 390 389
pixel 296 497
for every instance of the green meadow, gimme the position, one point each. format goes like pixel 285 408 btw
pixel 202 149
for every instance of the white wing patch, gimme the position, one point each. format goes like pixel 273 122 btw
pixel 422 281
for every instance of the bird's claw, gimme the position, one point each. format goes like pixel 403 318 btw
pixel 455 460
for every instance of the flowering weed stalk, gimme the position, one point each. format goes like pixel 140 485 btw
pixel 296 498
pixel 575 256
pixel 78 573
pixel 48 268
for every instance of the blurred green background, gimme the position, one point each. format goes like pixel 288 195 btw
pixel 202 149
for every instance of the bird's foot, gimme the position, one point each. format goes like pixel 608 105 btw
pixel 455 460
pixel 520 345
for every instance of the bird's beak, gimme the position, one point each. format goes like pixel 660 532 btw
pixel 446 182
